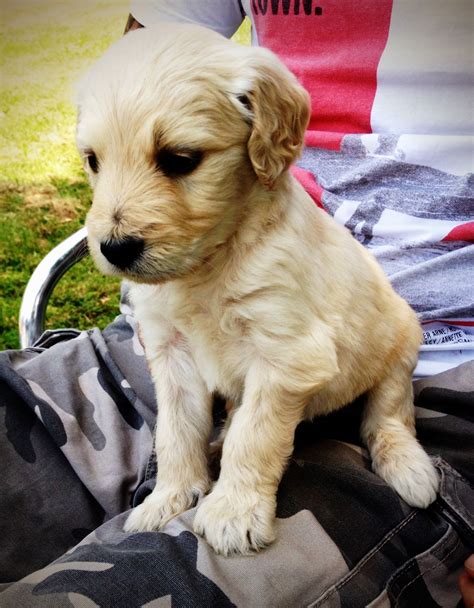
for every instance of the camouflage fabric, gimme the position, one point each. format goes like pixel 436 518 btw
pixel 76 447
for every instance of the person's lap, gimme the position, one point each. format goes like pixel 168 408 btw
pixel 76 446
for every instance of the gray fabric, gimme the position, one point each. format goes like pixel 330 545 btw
pixel 435 278
pixel 76 449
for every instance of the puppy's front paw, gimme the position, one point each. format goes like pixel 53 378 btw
pixel 411 474
pixel 236 522
pixel 164 503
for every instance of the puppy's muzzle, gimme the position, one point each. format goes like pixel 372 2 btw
pixel 124 252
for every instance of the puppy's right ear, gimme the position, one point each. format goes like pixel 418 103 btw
pixel 278 108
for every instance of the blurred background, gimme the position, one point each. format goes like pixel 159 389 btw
pixel 44 195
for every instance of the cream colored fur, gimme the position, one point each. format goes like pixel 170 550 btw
pixel 245 286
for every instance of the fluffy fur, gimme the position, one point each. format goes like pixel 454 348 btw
pixel 244 287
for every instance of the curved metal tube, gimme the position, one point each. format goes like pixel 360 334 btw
pixel 42 282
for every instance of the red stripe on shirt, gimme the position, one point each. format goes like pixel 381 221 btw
pixel 324 139
pixel 309 183
pixel 450 322
pixel 335 55
pixel 463 232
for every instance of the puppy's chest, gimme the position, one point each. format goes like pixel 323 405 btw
pixel 221 352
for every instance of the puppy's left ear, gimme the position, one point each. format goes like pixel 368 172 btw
pixel 279 110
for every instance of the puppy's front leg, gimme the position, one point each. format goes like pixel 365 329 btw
pixel 238 515
pixel 183 428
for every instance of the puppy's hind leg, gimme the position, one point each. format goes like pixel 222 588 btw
pixel 388 428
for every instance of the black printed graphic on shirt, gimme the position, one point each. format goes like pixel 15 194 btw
pixel 286 7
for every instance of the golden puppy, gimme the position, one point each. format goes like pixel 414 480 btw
pixel 241 284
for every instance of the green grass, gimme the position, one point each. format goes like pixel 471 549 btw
pixel 33 220
pixel 44 197
pixel 45 46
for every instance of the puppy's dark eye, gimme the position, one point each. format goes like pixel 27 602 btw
pixel 92 162
pixel 245 101
pixel 176 164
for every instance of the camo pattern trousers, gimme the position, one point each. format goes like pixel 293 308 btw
pixel 77 414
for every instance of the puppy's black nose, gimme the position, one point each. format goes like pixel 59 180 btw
pixel 122 253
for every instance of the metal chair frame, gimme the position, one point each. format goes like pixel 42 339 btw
pixel 42 282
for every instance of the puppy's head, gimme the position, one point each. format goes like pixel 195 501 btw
pixel 177 126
